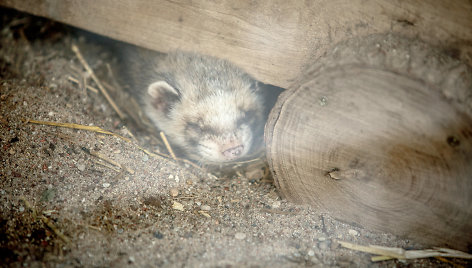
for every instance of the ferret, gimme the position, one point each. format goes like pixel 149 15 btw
pixel 209 108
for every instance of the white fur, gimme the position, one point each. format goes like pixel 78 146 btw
pixel 214 95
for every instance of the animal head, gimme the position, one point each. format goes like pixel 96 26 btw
pixel 207 107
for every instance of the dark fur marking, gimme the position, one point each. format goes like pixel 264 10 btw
pixel 247 117
pixel 211 131
pixel 192 142
pixel 196 127
pixel 193 127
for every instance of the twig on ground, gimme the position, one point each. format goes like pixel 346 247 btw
pixel 113 162
pixel 54 229
pixel 169 149
pixel 45 220
pixel 166 143
pixel 106 165
pixel 97 81
pixel 76 126
pixel 387 253
pixel 73 80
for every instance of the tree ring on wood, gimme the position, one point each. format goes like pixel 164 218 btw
pixel 378 132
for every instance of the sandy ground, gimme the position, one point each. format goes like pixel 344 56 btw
pixel 63 205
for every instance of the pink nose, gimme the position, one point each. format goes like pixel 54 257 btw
pixel 233 152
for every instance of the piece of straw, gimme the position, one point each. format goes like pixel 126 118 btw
pixel 95 79
pixel 106 159
pixel 387 253
pixel 76 126
pixel 46 221
pixel 89 87
pixel 166 143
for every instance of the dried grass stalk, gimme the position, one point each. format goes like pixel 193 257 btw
pixel 388 253
pixel 97 81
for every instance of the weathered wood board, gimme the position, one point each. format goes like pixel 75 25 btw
pixel 272 40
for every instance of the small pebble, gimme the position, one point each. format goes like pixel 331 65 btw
pixel 48 194
pixel 323 101
pixel 240 236
pixel 131 259
pixel 12 151
pixel 177 178
pixel 145 158
pixel 311 253
pixel 106 185
pixel 178 206
pixel 353 232
pixel 205 207
pixel 276 204
pixel 117 151
pixel 21 209
pixel 51 113
pixel 158 235
pixel 211 176
pixel 321 238
pixel 170 177
pixel 81 167
pixel 120 230
pixel 174 192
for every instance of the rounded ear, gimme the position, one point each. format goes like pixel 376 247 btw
pixel 163 96
pixel 159 88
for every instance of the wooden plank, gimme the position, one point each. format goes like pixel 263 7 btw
pixel 272 40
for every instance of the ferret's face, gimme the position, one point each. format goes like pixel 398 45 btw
pixel 219 128
pixel 207 107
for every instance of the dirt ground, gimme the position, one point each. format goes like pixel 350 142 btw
pixel 64 205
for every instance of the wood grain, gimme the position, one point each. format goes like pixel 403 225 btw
pixel 272 40
pixel 369 135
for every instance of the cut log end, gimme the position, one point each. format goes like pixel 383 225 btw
pixel 371 137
